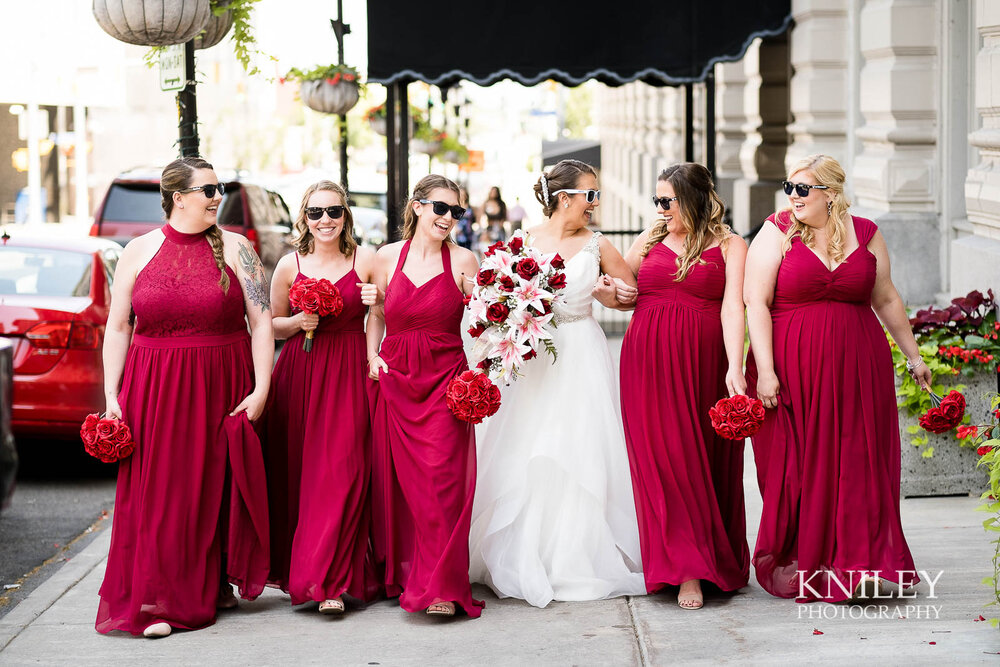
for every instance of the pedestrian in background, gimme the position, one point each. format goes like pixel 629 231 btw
pixel 424 458
pixel 684 349
pixel 189 512
pixel 495 215
pixel 317 426
pixel 827 454
pixel 465 234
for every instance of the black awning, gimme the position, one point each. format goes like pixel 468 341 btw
pixel 583 150
pixel 661 43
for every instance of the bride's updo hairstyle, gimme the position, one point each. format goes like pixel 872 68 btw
pixel 564 176
pixel 422 190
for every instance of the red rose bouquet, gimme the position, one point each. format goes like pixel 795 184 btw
pixel 315 296
pixel 472 397
pixel 945 414
pixel 109 440
pixel 511 306
pixel 737 417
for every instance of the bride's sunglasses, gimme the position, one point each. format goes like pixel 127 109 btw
pixel 316 212
pixel 801 189
pixel 440 208
pixel 209 189
pixel 591 194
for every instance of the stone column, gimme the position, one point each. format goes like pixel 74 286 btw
pixel 976 258
pixel 894 176
pixel 730 118
pixel 818 90
pixel 763 152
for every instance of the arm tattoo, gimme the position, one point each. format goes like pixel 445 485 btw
pixel 256 286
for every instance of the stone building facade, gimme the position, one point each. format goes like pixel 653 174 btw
pixel 904 93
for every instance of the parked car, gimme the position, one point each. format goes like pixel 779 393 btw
pixel 131 207
pixel 8 451
pixel 55 292
pixel 370 221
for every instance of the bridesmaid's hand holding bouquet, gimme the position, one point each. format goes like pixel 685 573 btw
pixel 316 296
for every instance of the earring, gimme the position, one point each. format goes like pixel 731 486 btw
pixel 829 208
pixel 566 205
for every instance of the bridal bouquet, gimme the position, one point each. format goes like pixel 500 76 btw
pixel 737 417
pixel 511 306
pixel 946 413
pixel 315 295
pixel 109 440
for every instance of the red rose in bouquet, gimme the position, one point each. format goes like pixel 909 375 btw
pixel 472 397
pixel 527 268
pixel 515 244
pixel 558 263
pixel 477 329
pixel 558 281
pixel 486 277
pixel 315 296
pixel 109 440
pixel 506 284
pixel 737 417
pixel 497 312
pixel 946 413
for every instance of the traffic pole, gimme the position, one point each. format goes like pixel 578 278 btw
pixel 187 107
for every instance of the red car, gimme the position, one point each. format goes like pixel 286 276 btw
pixel 54 298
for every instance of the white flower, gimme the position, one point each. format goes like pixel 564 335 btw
pixel 500 261
pixel 531 328
pixel 511 353
pixel 528 293
pixel 477 308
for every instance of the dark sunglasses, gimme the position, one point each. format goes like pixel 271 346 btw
pixel 440 208
pixel 316 212
pixel 663 202
pixel 802 189
pixel 208 189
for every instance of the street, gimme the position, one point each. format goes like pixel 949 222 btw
pixel 61 501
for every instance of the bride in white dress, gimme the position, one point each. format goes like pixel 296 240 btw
pixel 554 517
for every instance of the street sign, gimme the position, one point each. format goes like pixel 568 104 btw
pixel 172 68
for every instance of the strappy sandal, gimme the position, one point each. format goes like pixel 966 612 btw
pixel 691 601
pixel 441 609
pixel 331 606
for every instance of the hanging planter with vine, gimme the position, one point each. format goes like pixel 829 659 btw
pixel 152 22
pixel 332 89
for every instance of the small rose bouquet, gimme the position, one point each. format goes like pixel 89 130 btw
pixel 472 397
pixel 109 440
pixel 511 306
pixel 315 296
pixel 737 417
pixel 945 414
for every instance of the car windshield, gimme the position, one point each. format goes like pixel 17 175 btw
pixel 44 272
pixel 133 203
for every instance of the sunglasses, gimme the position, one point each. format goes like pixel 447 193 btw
pixel 316 212
pixel 663 202
pixel 208 189
pixel 591 194
pixel 802 189
pixel 440 208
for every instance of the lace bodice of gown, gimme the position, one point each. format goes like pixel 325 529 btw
pixel 178 294
pixel 582 271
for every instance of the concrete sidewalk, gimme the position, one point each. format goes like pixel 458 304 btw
pixel 55 624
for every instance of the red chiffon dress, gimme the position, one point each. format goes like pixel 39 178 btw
pixel 191 495
pixel 317 450
pixel 828 456
pixel 688 481
pixel 424 459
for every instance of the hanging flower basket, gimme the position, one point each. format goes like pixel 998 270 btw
pixel 376 119
pixel 217 28
pixel 330 89
pixel 152 22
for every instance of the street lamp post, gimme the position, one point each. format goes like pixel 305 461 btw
pixel 340 29
pixel 187 107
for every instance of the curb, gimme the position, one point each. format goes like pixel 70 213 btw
pixel 47 594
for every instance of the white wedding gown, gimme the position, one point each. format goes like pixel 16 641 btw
pixel 553 517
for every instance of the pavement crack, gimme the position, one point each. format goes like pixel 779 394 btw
pixel 637 631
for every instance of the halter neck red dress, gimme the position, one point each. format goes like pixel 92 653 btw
pixel 424 459
pixel 828 456
pixel 317 449
pixel 192 489
pixel 687 481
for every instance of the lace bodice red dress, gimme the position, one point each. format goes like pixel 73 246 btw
pixel 189 501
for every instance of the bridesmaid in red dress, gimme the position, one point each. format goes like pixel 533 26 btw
pixel 424 459
pixel 684 349
pixel 188 507
pixel 817 284
pixel 317 427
